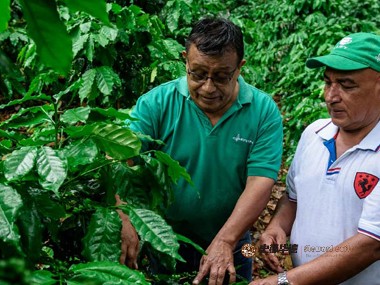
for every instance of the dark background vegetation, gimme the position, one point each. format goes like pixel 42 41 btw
pixel 70 71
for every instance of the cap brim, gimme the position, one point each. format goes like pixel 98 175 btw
pixel 335 62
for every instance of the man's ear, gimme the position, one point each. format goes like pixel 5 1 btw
pixel 242 62
pixel 184 54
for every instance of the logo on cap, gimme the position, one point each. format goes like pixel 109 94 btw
pixel 343 42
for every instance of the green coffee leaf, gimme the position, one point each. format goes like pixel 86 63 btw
pixel 51 169
pixel 81 153
pixel 175 170
pixel 19 163
pixel 153 228
pixel 10 204
pixel 73 116
pixel 102 241
pixel 105 79
pixel 5 14
pixel 49 33
pixel 105 273
pixel 96 8
pixel 118 142
pixel 42 277
pixel 88 80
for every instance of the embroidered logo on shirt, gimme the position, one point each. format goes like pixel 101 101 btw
pixel 364 184
pixel 237 138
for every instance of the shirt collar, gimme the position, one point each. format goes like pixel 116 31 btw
pixel 327 131
pixel 245 95
pixel 182 87
pixel 371 141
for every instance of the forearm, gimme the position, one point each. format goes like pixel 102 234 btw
pixel 284 215
pixel 339 265
pixel 129 239
pixel 247 209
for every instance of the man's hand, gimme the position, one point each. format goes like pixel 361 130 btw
pixel 216 263
pixel 272 280
pixel 272 236
pixel 129 240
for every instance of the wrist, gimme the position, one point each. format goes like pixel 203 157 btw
pixel 226 238
pixel 282 279
pixel 276 233
pixel 218 241
pixel 275 226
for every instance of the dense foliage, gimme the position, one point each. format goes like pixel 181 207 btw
pixel 281 35
pixel 70 71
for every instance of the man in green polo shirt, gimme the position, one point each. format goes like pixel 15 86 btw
pixel 228 135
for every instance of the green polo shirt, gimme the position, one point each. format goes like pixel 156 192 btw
pixel 246 141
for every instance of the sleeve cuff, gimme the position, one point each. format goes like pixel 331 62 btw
pixel 369 233
pixel 290 198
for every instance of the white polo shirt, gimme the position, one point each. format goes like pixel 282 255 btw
pixel 336 198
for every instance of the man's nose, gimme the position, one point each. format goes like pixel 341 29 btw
pixel 209 85
pixel 332 93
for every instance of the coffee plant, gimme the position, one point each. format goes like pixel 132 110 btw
pixel 70 71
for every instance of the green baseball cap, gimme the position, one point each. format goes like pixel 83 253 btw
pixel 356 51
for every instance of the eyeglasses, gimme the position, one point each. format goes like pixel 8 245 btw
pixel 220 79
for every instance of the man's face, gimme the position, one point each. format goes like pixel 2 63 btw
pixel 215 94
pixel 353 98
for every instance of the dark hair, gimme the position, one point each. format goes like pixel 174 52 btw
pixel 215 36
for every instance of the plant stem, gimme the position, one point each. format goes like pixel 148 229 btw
pixel 86 172
pixel 56 125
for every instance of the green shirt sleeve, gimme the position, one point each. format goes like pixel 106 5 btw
pixel 266 155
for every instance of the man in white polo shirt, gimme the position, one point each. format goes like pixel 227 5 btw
pixel 332 206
